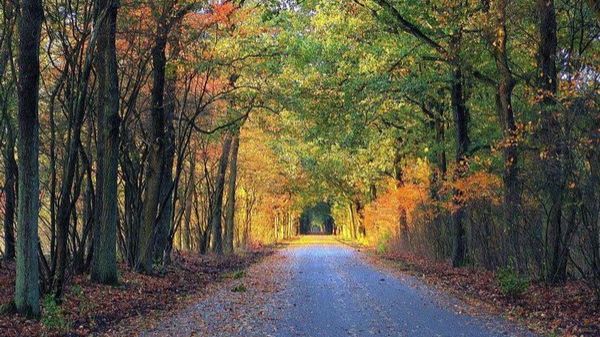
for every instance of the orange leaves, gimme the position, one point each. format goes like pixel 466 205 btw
pixel 478 186
pixel 222 11
pixel 384 214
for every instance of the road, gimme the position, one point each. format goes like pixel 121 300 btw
pixel 318 287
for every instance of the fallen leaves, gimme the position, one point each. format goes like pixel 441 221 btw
pixel 567 310
pixel 91 308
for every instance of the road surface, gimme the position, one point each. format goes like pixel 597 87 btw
pixel 318 287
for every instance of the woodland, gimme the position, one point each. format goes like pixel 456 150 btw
pixel 135 132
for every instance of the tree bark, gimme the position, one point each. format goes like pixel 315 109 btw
pixel 10 163
pixel 104 266
pixel 504 90
pixel 155 165
pixel 230 211
pixel 165 219
pixel 27 291
pixel 10 192
pixel 461 124
pixel 551 139
pixel 216 235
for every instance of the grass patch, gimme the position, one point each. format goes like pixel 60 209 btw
pixel 53 317
pixel 511 283
pixel 240 288
pixel 238 274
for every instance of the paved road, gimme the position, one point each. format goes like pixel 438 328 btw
pixel 334 292
pixel 320 288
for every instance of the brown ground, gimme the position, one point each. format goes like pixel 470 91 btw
pixel 569 310
pixel 91 309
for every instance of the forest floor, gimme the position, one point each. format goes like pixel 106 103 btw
pixel 567 310
pixel 91 309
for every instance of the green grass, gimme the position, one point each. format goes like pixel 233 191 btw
pixel 240 288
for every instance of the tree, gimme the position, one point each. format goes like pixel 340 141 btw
pixel 104 266
pixel 216 229
pixel 27 291
pixel 10 164
pixel 553 150
pixel 231 190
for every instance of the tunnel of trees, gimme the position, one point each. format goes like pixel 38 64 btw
pixel 464 131
pixel 317 220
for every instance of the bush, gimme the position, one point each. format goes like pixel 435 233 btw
pixel 240 288
pixel 238 274
pixel 383 243
pixel 511 284
pixel 53 317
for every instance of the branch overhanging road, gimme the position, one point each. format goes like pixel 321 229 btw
pixel 320 288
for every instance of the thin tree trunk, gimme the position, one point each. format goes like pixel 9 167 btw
pixel 352 221
pixel 230 212
pixel 461 122
pixel 10 190
pixel 67 199
pixel 189 200
pixel 27 291
pixel 216 238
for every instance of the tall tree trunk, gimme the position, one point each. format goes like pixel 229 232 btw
pixel 504 90
pixel 353 226
pixel 189 200
pixel 551 139
pixel 216 235
pixel 10 192
pixel 461 124
pixel 165 219
pixel 10 163
pixel 155 165
pixel 104 266
pixel 27 291
pixel 399 178
pixel 230 212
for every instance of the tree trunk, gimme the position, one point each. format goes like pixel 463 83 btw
pixel 27 291
pixel 165 220
pixel 104 266
pixel 230 211
pixel 353 234
pixel 10 190
pixel 504 90
pixel 551 139
pixel 461 123
pixel 155 165
pixel 216 238
pixel 189 200
pixel 10 163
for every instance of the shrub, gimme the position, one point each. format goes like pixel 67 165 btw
pixel 238 274
pixel 53 317
pixel 511 284
pixel 383 243
pixel 240 288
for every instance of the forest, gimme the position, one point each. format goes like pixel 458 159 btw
pixel 135 132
